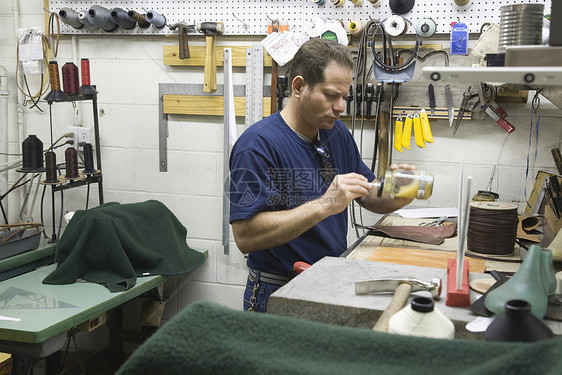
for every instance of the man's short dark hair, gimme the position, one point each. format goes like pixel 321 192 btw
pixel 313 57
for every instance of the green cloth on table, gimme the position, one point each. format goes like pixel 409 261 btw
pixel 114 243
pixel 210 339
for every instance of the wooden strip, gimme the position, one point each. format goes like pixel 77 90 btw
pixel 439 112
pixel 422 258
pixel 206 105
pixel 197 56
pixel 46 16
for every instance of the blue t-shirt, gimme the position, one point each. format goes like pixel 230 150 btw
pixel 273 169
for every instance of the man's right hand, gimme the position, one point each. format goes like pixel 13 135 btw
pixel 343 190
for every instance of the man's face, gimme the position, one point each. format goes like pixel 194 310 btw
pixel 322 105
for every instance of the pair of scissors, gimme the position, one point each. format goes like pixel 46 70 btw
pixel 435 223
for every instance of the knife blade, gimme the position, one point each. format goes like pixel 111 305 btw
pixel 431 92
pixel 450 107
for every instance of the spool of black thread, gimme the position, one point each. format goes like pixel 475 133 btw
pixel 32 149
pixel 88 159
pixel 51 168
pixel 71 158
pixel 121 17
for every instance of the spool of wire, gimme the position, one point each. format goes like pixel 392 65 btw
pixel 357 3
pixel 70 81
pixel 70 17
pixel 83 17
pixel 71 158
pixel 51 168
pixel 337 2
pixel 121 17
pixel 395 25
pixel 355 27
pixel 492 228
pixel 140 18
pixel 156 19
pixel 100 16
pixel 319 2
pixel 32 150
pixel 88 159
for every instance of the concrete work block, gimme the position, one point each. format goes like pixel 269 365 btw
pixel 326 293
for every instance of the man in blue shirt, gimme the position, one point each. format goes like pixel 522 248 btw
pixel 294 173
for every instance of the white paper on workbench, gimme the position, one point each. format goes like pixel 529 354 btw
pixel 415 213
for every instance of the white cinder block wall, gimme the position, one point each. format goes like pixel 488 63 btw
pixel 127 71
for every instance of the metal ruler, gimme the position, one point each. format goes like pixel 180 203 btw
pixel 228 100
pixel 254 84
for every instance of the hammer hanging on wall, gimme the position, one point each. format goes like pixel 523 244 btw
pixel 183 29
pixel 210 29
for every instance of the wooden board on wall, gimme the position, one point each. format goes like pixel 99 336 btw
pixel 211 105
pixel 197 56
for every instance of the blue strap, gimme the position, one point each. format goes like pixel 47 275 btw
pixel 536 103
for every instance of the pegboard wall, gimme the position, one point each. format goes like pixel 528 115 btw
pixel 251 17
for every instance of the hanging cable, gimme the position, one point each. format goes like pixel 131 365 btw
pixel 54 35
pixel 388 53
pixel 427 55
pixel 535 114
pixel 360 80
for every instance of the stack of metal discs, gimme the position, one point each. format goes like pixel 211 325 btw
pixel 520 24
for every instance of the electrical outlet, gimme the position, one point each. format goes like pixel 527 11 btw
pixel 81 135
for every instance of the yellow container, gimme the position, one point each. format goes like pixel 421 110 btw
pixel 404 183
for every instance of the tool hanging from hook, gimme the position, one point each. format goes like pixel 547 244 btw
pixel 183 28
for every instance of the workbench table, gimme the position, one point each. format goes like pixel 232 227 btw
pixel 326 293
pixel 47 312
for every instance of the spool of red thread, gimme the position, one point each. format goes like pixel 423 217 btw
pixel 70 81
pixel 85 69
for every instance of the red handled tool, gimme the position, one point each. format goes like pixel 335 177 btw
pixel 493 110
pixel 299 267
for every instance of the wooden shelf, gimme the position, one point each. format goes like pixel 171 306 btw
pixel 206 105
pixel 197 53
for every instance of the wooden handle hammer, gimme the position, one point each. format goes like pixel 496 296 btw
pixel 402 289
pixel 210 29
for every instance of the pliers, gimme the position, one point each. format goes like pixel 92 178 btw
pixel 466 96
pixel 493 110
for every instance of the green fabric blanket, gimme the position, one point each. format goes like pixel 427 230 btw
pixel 114 243
pixel 209 339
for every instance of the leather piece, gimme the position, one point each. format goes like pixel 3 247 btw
pixel 429 235
pixel 526 225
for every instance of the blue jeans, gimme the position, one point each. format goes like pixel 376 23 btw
pixel 261 296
